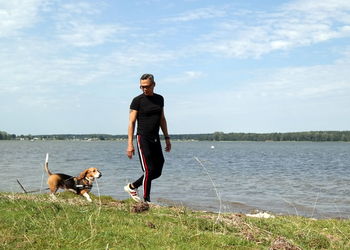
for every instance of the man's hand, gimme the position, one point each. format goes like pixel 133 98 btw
pixel 130 151
pixel 167 145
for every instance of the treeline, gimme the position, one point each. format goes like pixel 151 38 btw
pixel 315 136
pixel 100 137
pixel 6 136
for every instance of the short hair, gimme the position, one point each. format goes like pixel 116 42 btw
pixel 147 76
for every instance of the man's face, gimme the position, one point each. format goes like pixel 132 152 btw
pixel 147 86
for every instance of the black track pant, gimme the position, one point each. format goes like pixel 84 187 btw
pixel 152 161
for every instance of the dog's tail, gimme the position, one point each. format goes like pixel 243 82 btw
pixel 47 165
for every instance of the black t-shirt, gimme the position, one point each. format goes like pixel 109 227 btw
pixel 149 109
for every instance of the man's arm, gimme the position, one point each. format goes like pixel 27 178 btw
pixel 164 127
pixel 130 151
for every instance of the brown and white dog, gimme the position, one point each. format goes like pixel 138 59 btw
pixel 80 185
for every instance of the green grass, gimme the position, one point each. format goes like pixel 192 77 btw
pixel 36 222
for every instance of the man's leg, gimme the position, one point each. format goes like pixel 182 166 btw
pixel 138 182
pixel 155 162
pixel 152 160
pixel 144 151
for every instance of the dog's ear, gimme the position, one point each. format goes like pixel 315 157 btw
pixel 83 174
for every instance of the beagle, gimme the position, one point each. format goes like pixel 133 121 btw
pixel 80 185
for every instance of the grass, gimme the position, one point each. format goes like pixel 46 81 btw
pixel 36 222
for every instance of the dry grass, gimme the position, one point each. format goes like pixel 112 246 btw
pixel 37 222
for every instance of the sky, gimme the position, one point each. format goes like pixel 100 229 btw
pixel 73 67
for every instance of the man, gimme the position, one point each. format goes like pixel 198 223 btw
pixel 148 110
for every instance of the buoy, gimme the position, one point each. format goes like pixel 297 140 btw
pixel 212 147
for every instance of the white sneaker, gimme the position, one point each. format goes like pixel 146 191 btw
pixel 133 192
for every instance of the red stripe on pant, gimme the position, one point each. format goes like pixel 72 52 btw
pixel 144 167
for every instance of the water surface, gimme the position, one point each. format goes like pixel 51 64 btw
pixel 303 178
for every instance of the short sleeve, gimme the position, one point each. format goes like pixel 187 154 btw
pixel 135 104
pixel 162 102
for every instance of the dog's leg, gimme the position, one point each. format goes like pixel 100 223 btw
pixel 53 190
pixel 87 196
pixel 53 196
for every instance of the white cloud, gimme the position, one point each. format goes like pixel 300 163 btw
pixel 306 83
pixel 295 85
pixel 18 14
pixel 53 65
pixel 36 66
pixel 73 10
pixel 184 77
pixel 84 34
pixel 81 8
pixel 76 24
pixel 193 74
pixel 286 99
pixel 300 24
pixel 198 14
pixel 311 5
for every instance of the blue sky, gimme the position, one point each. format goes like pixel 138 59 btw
pixel 231 66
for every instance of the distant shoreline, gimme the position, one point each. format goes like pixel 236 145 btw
pixel 314 136
pixel 174 140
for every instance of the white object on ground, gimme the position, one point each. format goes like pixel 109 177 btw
pixel 261 215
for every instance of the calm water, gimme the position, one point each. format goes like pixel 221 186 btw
pixel 309 179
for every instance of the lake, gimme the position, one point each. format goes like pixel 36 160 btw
pixel 297 178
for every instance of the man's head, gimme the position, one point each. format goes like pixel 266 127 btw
pixel 147 84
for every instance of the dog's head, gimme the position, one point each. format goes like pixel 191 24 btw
pixel 90 173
